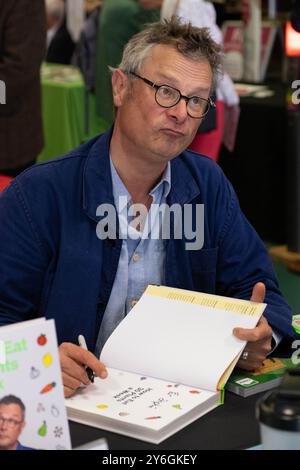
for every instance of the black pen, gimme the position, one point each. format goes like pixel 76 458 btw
pixel 89 371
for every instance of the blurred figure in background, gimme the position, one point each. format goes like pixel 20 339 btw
pixel 59 42
pixel 22 50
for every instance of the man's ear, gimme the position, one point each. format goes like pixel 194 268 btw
pixel 119 82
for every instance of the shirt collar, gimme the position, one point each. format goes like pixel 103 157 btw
pixel 97 179
pixel 165 181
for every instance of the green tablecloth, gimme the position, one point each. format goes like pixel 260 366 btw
pixel 64 115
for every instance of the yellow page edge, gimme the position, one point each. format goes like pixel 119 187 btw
pixel 239 306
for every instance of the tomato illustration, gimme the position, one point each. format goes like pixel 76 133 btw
pixel 42 340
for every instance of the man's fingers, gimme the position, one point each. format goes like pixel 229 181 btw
pixel 246 334
pixel 262 329
pixel 83 357
pixel 70 382
pixel 68 392
pixel 256 354
pixel 259 292
pixel 72 369
pixel 253 361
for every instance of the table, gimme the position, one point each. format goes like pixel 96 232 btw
pixel 64 113
pixel 231 426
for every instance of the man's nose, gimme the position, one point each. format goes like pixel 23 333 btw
pixel 179 111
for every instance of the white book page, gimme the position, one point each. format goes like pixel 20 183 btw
pixel 176 341
pixel 137 400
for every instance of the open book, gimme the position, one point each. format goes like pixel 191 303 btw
pixel 32 408
pixel 168 362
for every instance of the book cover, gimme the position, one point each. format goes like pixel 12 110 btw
pixel 167 361
pixel 32 409
pixel 268 376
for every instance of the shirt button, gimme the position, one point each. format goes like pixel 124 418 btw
pixel 136 257
pixel 133 302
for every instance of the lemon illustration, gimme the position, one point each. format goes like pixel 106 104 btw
pixel 47 360
pixel 102 407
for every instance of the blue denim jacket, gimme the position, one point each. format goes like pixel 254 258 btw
pixel 52 264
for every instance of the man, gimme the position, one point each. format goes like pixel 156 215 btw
pixel 53 264
pixel 22 50
pixel 59 42
pixel 12 423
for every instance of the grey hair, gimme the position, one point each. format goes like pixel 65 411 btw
pixel 192 42
pixel 55 8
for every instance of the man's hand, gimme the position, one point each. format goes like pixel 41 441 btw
pixel 150 4
pixel 73 360
pixel 258 339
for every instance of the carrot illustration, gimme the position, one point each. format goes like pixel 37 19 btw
pixel 48 387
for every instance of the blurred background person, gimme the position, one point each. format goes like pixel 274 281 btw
pixel 22 50
pixel 60 45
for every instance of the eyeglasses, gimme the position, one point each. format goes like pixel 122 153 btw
pixel 11 423
pixel 167 97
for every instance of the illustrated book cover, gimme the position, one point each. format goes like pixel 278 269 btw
pixel 32 408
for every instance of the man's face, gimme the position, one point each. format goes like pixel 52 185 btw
pixel 161 134
pixel 11 425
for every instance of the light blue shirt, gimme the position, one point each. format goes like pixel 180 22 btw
pixel 142 258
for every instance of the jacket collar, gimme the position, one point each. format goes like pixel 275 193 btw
pixel 97 180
